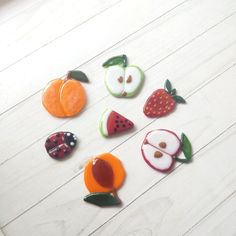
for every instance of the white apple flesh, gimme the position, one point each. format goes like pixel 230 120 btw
pixel 159 149
pixel 123 82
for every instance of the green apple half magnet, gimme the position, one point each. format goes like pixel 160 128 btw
pixel 122 80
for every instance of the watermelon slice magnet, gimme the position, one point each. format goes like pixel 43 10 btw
pixel 113 122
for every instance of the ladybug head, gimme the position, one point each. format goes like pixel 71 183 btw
pixel 70 139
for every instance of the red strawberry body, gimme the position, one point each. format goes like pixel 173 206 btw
pixel 160 103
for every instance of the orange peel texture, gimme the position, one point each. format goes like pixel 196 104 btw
pixel 64 98
pixel 118 171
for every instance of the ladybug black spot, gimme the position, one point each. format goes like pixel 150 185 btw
pixel 116 121
pixel 123 126
pixel 117 126
pixel 117 117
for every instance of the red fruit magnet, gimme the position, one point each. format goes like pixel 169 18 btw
pixel 60 144
pixel 113 122
pixel 162 101
pixel 161 148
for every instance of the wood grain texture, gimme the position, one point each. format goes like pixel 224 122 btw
pixel 164 205
pixel 61 51
pixel 24 168
pixel 190 42
pixel 31 130
pixel 49 216
pixel 221 221
pixel 28 32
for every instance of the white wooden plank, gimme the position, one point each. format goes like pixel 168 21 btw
pixel 44 22
pixel 1 233
pixel 10 9
pixel 33 122
pixel 220 222
pixel 172 206
pixel 43 61
pixel 61 211
pixel 39 169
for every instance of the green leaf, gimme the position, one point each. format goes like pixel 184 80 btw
pixel 77 75
pixel 173 92
pixel 186 148
pixel 118 60
pixel 178 99
pixel 168 86
pixel 102 199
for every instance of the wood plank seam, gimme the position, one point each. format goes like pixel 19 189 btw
pixel 172 53
pixel 156 183
pixel 92 58
pixel 210 212
pixel 60 36
pixel 81 171
pixel 19 13
pixel 192 40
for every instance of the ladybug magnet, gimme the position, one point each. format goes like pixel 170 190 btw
pixel 59 145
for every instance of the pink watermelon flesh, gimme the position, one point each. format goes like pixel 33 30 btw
pixel 117 123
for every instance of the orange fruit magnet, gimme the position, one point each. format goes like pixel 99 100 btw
pixel 65 97
pixel 103 176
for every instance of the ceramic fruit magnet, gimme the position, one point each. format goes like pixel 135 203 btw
pixel 113 122
pixel 65 97
pixel 162 101
pixel 103 176
pixel 60 144
pixel 122 80
pixel 161 148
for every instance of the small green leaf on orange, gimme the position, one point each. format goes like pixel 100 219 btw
pixel 102 199
pixel 117 60
pixel 178 99
pixel 168 86
pixel 78 75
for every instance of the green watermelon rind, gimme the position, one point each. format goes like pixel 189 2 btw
pixel 101 122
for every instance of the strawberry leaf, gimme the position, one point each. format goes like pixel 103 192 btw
pixel 77 75
pixel 186 148
pixel 168 86
pixel 118 60
pixel 173 92
pixel 178 99
pixel 102 199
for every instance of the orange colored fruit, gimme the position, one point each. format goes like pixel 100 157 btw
pixel 108 176
pixel 64 98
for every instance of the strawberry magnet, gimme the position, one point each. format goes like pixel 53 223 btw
pixel 161 148
pixel 162 101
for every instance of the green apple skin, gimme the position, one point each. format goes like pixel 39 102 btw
pixel 136 91
pixel 133 93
